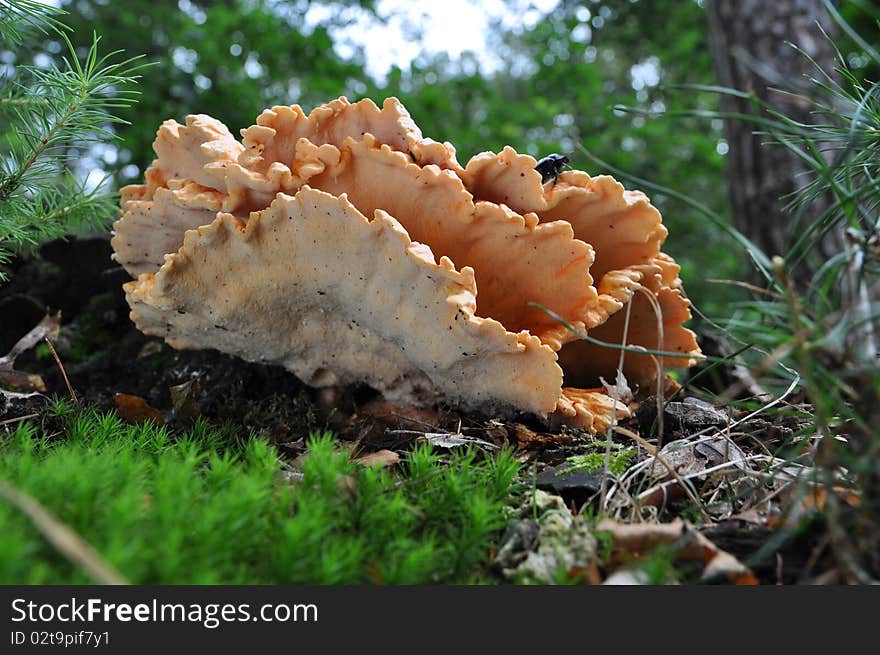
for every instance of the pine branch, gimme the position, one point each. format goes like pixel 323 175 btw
pixel 52 212
pixel 49 114
pixel 77 105
pixel 18 18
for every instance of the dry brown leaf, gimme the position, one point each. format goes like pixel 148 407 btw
pixel 392 413
pixel 20 380
pixel 381 459
pixel 634 541
pixel 528 439
pixel 134 409
pixel 152 347
pixel 48 328
pixel 802 504
pixel 688 459
pixel 184 399
pixel 585 574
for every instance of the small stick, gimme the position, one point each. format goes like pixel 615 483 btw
pixel 637 438
pixel 63 372
pixel 17 419
pixel 62 537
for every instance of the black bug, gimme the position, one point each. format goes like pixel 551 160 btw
pixel 551 166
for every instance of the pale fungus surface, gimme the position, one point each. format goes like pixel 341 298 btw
pixel 347 248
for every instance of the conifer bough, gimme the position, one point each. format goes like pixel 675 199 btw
pixel 50 115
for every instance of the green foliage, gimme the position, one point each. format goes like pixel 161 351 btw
pixel 228 59
pixel 20 18
pixel 551 86
pixel 594 460
pixel 206 508
pixel 49 113
pixel 659 566
pixel 822 334
pixel 831 317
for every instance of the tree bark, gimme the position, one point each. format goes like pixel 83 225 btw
pixel 746 35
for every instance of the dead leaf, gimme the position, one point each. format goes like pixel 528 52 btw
pixel 449 440
pixel 20 380
pixel 585 574
pixel 48 328
pixel 347 487
pixel 800 504
pixel 184 399
pixel 689 459
pixel 619 390
pixel 149 349
pixel 526 438
pixel 635 541
pixel 381 458
pixel 134 409
pixel 392 414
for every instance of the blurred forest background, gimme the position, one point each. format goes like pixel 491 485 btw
pixel 545 77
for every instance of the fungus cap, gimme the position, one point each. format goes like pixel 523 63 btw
pixel 308 295
pixel 346 247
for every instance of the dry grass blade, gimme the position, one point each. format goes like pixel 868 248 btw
pixel 649 447
pixel 747 286
pixel 64 539
pixel 658 361
pixel 615 396
pixel 631 477
pixel 63 372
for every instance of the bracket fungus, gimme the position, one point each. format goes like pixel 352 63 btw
pixel 346 247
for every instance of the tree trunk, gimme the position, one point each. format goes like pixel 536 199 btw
pixel 750 34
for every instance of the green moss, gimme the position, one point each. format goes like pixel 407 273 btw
pixel 209 506
pixel 594 460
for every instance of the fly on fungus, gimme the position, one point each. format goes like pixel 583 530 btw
pixel 551 166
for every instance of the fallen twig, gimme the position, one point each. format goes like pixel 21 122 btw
pixel 18 418
pixel 62 537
